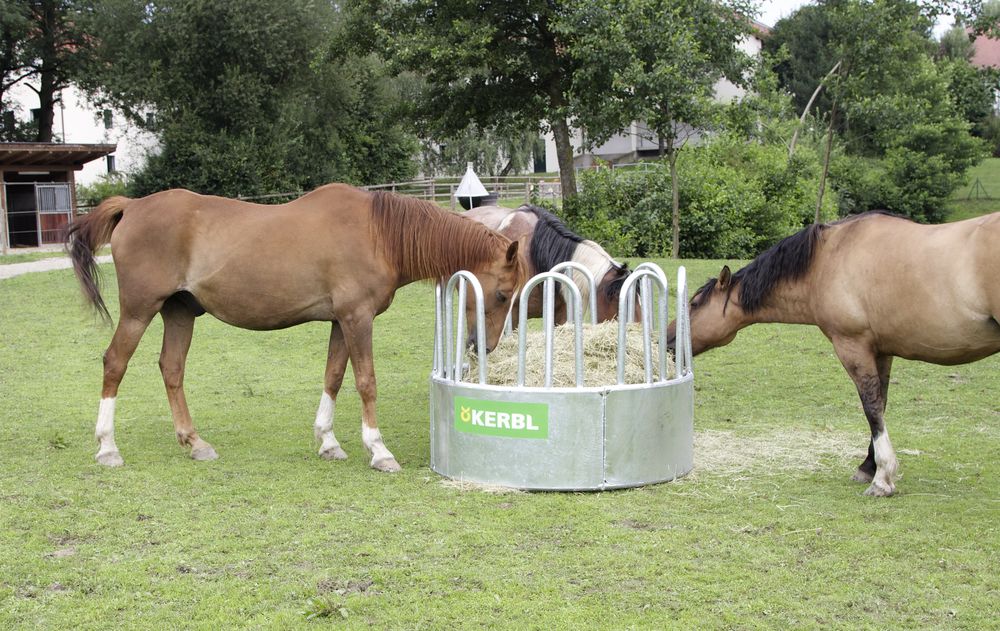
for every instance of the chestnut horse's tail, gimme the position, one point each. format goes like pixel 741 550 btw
pixel 84 237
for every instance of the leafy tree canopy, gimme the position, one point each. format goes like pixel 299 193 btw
pixel 249 98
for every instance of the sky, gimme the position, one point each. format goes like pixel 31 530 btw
pixel 773 10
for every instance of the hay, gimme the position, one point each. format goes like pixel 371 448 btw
pixel 600 357
pixel 778 452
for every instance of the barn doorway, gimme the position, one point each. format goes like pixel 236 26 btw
pixel 38 213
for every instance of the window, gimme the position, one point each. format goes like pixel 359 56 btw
pixel 111 163
pixel 108 119
pixel 53 198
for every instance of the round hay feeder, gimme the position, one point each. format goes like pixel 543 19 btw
pixel 577 438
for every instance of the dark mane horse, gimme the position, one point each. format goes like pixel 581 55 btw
pixel 549 243
pixel 337 254
pixel 787 260
pixel 879 287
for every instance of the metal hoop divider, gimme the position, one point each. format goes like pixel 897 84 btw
pixel 645 273
pixel 548 301
pixel 663 321
pixel 453 362
pixel 587 274
pixel 683 328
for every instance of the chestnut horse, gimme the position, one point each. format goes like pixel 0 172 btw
pixel 337 254
pixel 549 242
pixel 878 286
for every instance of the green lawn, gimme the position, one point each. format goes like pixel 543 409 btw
pixel 13 256
pixel 973 200
pixel 767 532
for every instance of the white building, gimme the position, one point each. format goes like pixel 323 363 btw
pixel 638 141
pixel 75 121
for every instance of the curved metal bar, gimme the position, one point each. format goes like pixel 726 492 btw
pixel 625 302
pixel 549 278
pixel 437 368
pixel 571 265
pixel 663 320
pixel 683 327
pixel 453 364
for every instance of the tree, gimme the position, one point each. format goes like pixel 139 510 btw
pixel 491 154
pixel 248 98
pixel 801 45
pixel 45 46
pixel 888 106
pixel 662 59
pixel 502 66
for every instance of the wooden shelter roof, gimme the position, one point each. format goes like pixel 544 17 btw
pixel 50 154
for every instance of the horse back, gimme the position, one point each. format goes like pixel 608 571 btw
pixel 927 292
pixel 252 265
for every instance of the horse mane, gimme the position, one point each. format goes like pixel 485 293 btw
pixel 788 259
pixel 422 240
pixel 553 242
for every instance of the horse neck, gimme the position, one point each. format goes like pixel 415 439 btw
pixel 789 303
pixel 425 242
pixel 592 256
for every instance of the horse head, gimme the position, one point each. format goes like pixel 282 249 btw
pixel 609 290
pixel 500 279
pixel 716 315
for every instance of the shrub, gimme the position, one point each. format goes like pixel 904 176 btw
pixel 736 199
pixel 914 177
pixel 107 185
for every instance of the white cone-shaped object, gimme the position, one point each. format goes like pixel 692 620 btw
pixel 470 186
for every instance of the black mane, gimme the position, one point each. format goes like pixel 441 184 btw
pixel 789 259
pixel 552 242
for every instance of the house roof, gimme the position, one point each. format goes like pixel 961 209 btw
pixel 50 154
pixel 987 52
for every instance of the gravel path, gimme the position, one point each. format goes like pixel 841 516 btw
pixel 44 265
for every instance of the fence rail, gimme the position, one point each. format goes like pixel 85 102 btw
pixel 516 188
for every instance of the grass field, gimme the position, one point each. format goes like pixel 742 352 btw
pixel 973 200
pixel 767 532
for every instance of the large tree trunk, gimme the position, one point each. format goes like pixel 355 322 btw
pixel 564 155
pixel 46 105
pixel 49 24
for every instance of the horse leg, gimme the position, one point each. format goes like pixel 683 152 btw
pixel 336 365
pixel 178 326
pixel 862 365
pixel 123 344
pixel 866 471
pixel 358 333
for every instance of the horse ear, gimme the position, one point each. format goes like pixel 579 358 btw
pixel 725 276
pixel 512 251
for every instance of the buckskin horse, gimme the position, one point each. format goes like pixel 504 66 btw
pixel 337 254
pixel 878 286
pixel 548 242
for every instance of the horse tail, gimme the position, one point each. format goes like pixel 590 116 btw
pixel 85 236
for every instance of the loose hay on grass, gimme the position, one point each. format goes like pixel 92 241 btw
pixel 600 357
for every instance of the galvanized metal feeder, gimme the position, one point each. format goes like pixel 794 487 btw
pixel 563 439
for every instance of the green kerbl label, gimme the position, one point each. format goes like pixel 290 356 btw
pixel 495 418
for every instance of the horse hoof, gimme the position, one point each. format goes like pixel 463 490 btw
pixel 879 490
pixel 204 453
pixel 333 453
pixel 388 465
pixel 110 459
pixel 862 476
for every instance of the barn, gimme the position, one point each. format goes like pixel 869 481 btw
pixel 37 190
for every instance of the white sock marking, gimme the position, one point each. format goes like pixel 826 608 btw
pixel 372 438
pixel 105 430
pixel 885 461
pixel 323 428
